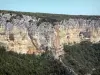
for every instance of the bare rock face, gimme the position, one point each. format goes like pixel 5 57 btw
pixel 25 34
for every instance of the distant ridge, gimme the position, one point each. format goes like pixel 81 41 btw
pixel 51 15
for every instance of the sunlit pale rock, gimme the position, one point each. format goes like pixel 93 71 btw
pixel 22 34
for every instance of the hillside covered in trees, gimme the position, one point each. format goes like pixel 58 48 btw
pixel 83 58
pixel 19 64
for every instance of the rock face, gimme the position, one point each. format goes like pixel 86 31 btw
pixel 28 34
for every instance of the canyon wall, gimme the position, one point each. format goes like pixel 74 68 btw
pixel 30 34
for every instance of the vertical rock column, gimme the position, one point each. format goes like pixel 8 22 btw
pixel 58 47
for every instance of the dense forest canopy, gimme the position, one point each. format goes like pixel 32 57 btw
pixel 19 64
pixel 83 58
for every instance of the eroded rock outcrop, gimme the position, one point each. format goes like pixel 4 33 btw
pixel 29 34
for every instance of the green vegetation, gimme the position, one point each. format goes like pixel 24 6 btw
pixel 19 64
pixel 46 17
pixel 83 58
pixel 54 17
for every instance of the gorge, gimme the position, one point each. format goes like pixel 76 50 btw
pixel 36 33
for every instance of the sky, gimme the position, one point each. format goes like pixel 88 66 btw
pixel 71 7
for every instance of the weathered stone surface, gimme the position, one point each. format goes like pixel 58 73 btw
pixel 21 33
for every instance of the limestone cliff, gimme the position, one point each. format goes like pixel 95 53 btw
pixel 31 34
